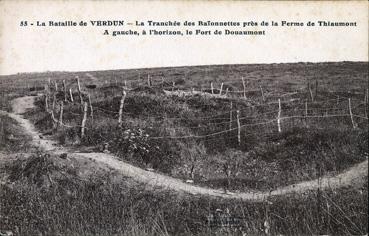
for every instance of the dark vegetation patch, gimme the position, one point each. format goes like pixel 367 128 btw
pixel 100 206
pixel 5 100
pixel 12 137
pixel 36 88
pixel 286 158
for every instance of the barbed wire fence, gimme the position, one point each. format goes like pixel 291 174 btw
pixel 302 106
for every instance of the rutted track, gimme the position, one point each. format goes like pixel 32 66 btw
pixel 353 175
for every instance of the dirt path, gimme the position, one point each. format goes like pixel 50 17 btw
pixel 353 175
pixel 346 178
pixel 20 106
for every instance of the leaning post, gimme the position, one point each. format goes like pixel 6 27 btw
pixel 124 94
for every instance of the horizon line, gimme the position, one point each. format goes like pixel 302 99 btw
pixel 177 66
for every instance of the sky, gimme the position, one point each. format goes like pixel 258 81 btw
pixel 38 49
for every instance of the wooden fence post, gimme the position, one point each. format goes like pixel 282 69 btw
pixel 78 85
pixel 148 80
pixel 311 93
pixel 54 101
pixel 65 91
pixel 56 86
pixel 173 85
pixel 238 128
pixel 46 103
pixel 226 94
pixel 91 110
pixel 366 103
pixel 244 88
pixel 211 87
pixel 316 89
pixel 328 216
pixel 124 94
pixel 230 117
pixel 279 115
pixel 306 113
pixel 262 93
pixel 2 135
pixel 364 95
pixel 351 115
pixel 83 125
pixel 53 119
pixel 365 110
pixel 60 122
pixel 71 95
pixel 221 89
pixel 79 90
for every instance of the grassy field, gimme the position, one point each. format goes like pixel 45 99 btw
pixel 12 138
pixel 196 136
pixel 103 204
pixel 192 137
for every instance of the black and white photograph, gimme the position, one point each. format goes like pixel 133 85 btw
pixel 183 118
